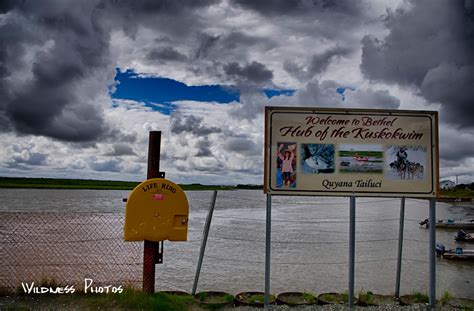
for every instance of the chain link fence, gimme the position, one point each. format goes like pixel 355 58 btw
pixel 66 248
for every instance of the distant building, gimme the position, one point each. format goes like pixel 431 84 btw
pixel 447 184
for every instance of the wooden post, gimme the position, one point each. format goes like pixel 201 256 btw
pixel 150 248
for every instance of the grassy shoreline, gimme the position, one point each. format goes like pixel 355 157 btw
pixel 90 184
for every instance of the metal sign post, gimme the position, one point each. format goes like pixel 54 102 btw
pixel 151 254
pixel 400 247
pixel 432 246
pixel 268 241
pixel 351 250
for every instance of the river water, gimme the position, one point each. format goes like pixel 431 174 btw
pixel 310 237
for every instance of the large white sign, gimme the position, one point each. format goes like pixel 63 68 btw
pixel 341 152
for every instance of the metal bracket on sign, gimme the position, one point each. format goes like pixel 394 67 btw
pixel 159 252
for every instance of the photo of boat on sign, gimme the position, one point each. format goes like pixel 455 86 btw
pixel 360 158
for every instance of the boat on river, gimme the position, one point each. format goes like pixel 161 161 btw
pixel 450 223
pixel 462 236
pixel 454 254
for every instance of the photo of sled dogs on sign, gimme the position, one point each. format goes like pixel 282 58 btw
pixel 317 158
pixel 405 162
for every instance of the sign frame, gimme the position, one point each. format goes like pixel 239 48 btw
pixel 270 146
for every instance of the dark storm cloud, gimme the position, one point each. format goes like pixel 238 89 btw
pixel 456 146
pixel 177 17
pixel 236 39
pixel 117 135
pixel 331 19
pixel 166 54
pixel 430 46
pixel 318 64
pixel 368 98
pixel 453 86
pixel 31 159
pixel 283 7
pixel 7 5
pixel 234 44
pixel 206 44
pixel 49 51
pixel 150 7
pixel 121 150
pixel 112 165
pixel 190 124
pixel 56 65
pixel 24 158
pixel 204 147
pixel 242 145
pixel 316 94
pixel 254 72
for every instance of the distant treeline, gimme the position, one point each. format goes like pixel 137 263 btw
pixel 60 183
pixel 460 191
pixel 465 186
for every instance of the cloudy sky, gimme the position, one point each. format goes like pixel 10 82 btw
pixel 82 82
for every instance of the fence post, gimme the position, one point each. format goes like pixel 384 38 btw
pixel 400 247
pixel 150 248
pixel 204 241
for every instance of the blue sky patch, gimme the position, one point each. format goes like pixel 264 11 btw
pixel 341 90
pixel 158 93
pixel 274 92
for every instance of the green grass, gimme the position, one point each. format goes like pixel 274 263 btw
pixel 309 298
pixel 138 300
pixel 297 298
pixel 447 296
pixel 60 183
pixel 345 296
pixel 366 297
pixel 209 298
pixel 253 299
pixel 57 183
pixel 335 298
pixel 421 297
pixel 129 299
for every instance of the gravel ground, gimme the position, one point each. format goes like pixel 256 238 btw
pixel 43 303
pixel 345 308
